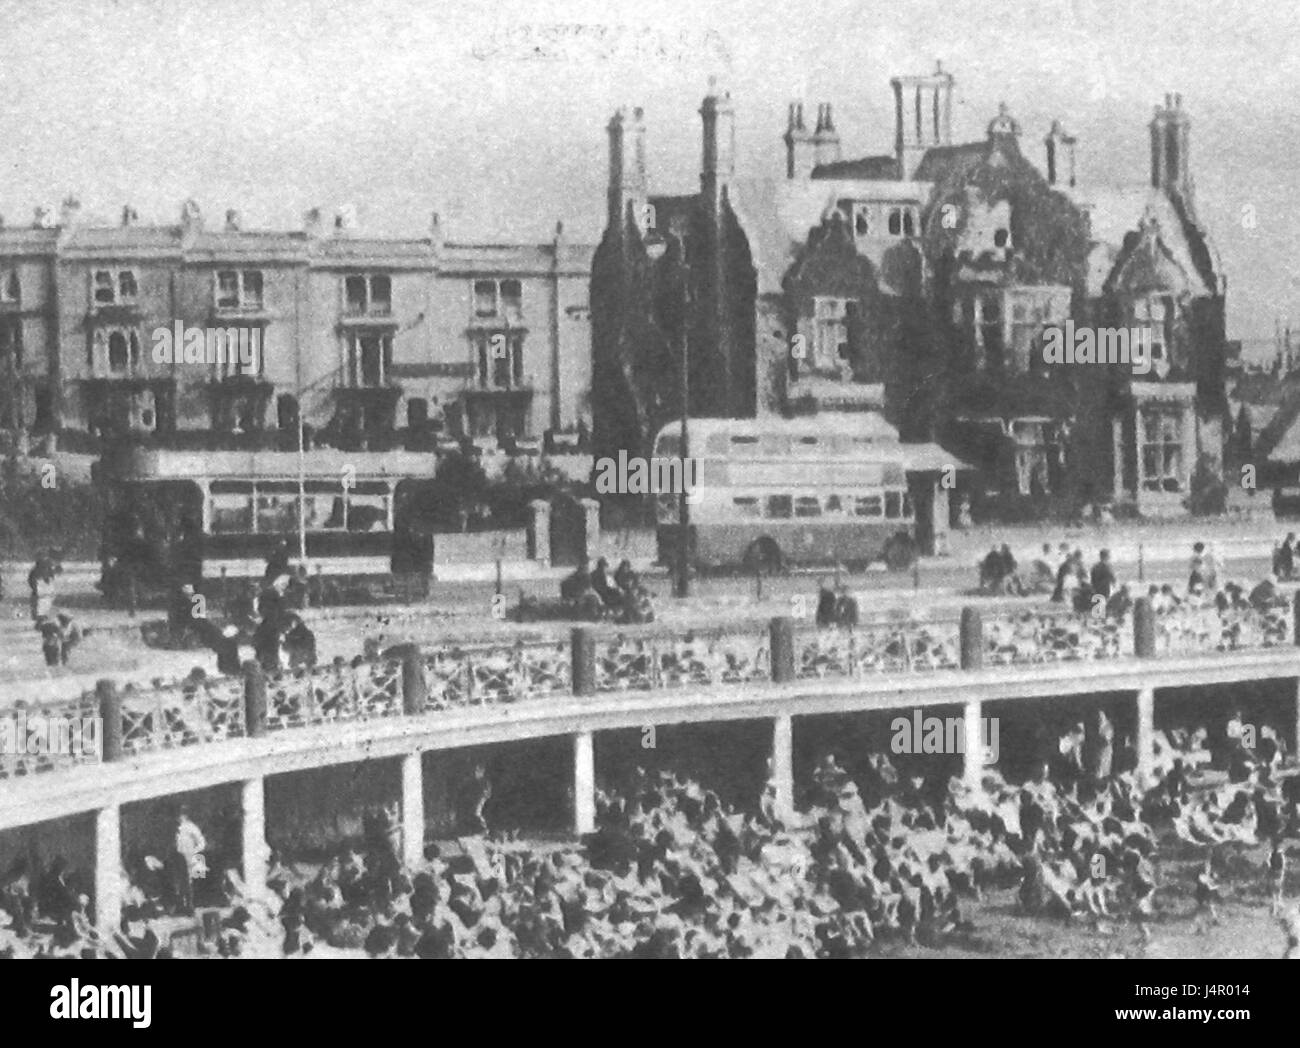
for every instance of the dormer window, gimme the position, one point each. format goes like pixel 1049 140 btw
pixel 114 287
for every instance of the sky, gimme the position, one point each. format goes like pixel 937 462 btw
pixel 402 108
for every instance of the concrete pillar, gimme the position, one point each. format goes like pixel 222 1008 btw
pixel 414 689
pixel 254 699
pixel 1144 628
pixel 539 532
pixel 590 527
pixel 584 783
pixel 1144 738
pixel 972 639
pixel 110 715
pixel 1117 456
pixel 583 649
pixel 973 744
pixel 252 828
pixel 108 869
pixel 781 645
pixel 412 810
pixel 783 765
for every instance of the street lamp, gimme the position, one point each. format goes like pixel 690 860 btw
pixel 656 247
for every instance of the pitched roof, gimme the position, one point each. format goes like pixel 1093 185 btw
pixel 869 168
pixel 941 162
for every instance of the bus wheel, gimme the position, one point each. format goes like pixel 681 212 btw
pixel 764 555
pixel 900 552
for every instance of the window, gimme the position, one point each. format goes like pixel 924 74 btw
pixel 370 358
pixel 896 507
pixel 1153 315
pixel 9 288
pixel 1162 449
pixel 1038 456
pixel 368 295
pixel 499 300
pixel 861 220
pixel 988 330
pixel 243 508
pixel 747 506
pixel 868 506
pixel 779 507
pixel 114 287
pixel 903 222
pixel 239 289
pixel 830 333
pixel 11 345
pixel 115 352
pixel 807 506
pixel 834 504
pixel 242 354
pixel 500 358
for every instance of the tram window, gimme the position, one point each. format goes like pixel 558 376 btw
pixel 747 507
pixel 808 506
pixel 834 504
pixel 232 513
pixel 277 512
pixel 367 512
pixel 893 505
pixel 323 511
pixel 779 507
pixel 868 506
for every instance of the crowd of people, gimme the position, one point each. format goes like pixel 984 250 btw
pixel 1065 575
pixel 881 857
pixel 592 594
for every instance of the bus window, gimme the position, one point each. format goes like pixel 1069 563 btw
pixel 807 441
pixel 868 506
pixel 277 512
pixel 893 505
pixel 232 512
pixel 367 512
pixel 808 506
pixel 834 504
pixel 747 507
pixel 778 507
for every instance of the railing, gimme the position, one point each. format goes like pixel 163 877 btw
pixel 200 711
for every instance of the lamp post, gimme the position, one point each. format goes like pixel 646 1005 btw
pixel 656 246
pixel 682 580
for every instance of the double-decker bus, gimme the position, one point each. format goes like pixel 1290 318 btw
pixel 173 514
pixel 775 493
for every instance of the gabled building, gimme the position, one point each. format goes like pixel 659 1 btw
pixel 922 285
